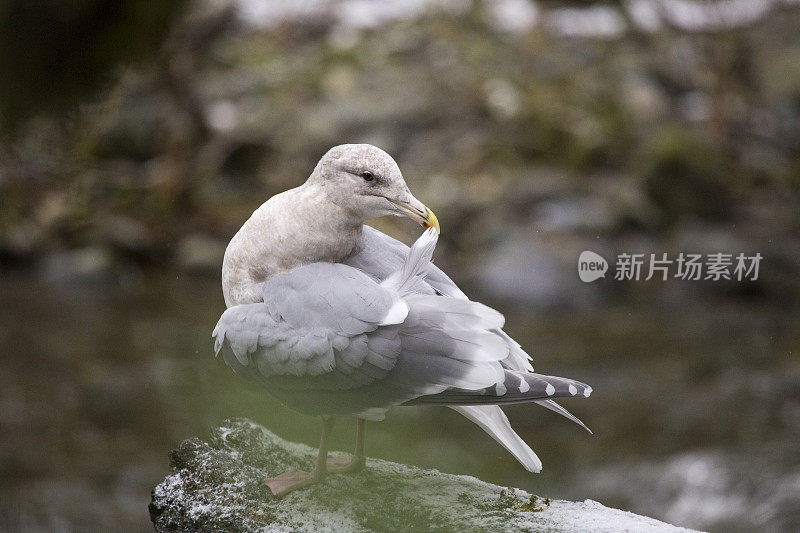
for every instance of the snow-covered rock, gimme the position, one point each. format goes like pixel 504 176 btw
pixel 216 486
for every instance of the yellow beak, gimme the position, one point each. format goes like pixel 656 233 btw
pixel 431 221
pixel 416 210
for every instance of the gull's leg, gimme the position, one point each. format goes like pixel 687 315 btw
pixel 285 483
pixel 345 464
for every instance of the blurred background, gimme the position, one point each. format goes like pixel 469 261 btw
pixel 136 137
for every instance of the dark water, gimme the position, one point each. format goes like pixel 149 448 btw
pixel 696 409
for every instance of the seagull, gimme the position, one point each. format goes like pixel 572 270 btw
pixel 338 320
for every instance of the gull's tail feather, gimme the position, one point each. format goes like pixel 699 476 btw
pixel 494 422
pixel 556 408
pixel 516 387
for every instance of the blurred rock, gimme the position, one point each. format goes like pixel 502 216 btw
pixel 514 16
pixel 90 264
pixel 53 210
pixel 124 233
pixel 691 15
pixel 22 240
pixel 571 214
pixel 603 22
pixel 216 486
pixel 646 99
pixel 707 489
pixel 502 97
pixel 200 253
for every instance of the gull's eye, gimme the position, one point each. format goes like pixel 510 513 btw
pixel 367 175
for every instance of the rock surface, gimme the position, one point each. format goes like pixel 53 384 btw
pixel 216 486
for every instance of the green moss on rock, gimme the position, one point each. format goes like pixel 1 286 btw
pixel 216 486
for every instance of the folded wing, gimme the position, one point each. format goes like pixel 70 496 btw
pixel 328 339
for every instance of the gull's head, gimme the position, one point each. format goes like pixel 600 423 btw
pixel 367 182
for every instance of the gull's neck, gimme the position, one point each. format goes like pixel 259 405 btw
pixel 292 229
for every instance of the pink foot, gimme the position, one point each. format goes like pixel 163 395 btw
pixel 285 483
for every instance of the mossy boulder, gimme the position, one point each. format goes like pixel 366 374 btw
pixel 216 486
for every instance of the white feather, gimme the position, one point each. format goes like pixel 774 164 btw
pixel 556 408
pixel 396 314
pixel 494 422
pixel 415 266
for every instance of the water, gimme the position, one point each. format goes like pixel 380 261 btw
pixel 696 409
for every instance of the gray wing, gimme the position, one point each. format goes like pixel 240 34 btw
pixel 328 339
pixel 306 318
pixel 380 255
